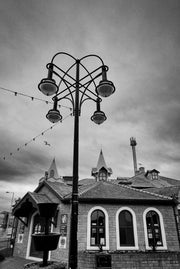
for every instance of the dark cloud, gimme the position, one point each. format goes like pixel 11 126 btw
pixel 138 40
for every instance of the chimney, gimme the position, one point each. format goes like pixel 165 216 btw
pixel 46 175
pixel 133 145
pixel 141 169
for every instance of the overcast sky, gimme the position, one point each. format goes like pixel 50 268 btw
pixel 139 40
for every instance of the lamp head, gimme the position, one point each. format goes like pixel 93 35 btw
pixel 98 117
pixel 105 88
pixel 48 86
pixel 54 115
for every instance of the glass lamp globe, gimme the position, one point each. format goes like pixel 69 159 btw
pixel 54 115
pixel 105 88
pixel 48 86
pixel 98 117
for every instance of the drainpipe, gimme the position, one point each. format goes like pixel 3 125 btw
pixel 176 216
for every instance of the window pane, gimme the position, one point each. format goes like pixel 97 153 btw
pixel 153 229
pixel 126 232
pixel 94 218
pixel 97 228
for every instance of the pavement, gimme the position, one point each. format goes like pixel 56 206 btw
pixel 13 263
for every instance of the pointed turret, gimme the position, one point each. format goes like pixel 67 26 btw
pixel 101 171
pixel 52 172
pixel 101 161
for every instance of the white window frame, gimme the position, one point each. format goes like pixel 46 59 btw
pixel 89 247
pixel 135 247
pixel 161 227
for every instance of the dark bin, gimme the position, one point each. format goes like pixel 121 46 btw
pixel 103 261
pixel 46 242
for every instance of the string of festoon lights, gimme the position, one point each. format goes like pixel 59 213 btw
pixel 31 97
pixel 43 132
pixel 33 139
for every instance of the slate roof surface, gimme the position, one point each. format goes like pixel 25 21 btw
pixel 40 197
pixel 110 191
pixel 172 191
pixel 141 181
pixel 138 181
pixel 171 181
pixel 30 202
pixel 87 181
pixel 61 189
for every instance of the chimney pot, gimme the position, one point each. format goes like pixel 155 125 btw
pixel 141 169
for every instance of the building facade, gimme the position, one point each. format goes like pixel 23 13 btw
pixel 119 225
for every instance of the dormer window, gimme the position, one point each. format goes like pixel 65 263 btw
pixel 101 172
pixel 51 173
pixel 103 175
pixel 154 175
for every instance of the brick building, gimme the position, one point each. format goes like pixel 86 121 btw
pixel 119 224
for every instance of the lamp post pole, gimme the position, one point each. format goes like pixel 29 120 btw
pixel 73 88
pixel 73 245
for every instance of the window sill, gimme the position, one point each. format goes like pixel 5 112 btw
pixel 128 248
pixel 157 248
pixel 97 248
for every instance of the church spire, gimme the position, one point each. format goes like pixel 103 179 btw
pixel 52 172
pixel 101 161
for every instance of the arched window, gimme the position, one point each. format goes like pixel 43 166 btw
pixel 98 228
pixel 103 174
pixel 126 229
pixel 126 233
pixel 154 229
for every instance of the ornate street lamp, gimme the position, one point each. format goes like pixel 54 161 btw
pixel 77 90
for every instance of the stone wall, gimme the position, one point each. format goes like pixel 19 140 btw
pixel 136 260
pixel 168 220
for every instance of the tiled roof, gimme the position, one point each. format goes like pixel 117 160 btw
pixel 40 198
pixel 140 180
pixel 109 191
pixel 87 181
pixel 105 191
pixel 172 191
pixel 30 202
pixel 171 181
pixel 61 189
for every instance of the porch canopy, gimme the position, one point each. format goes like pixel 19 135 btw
pixel 32 202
